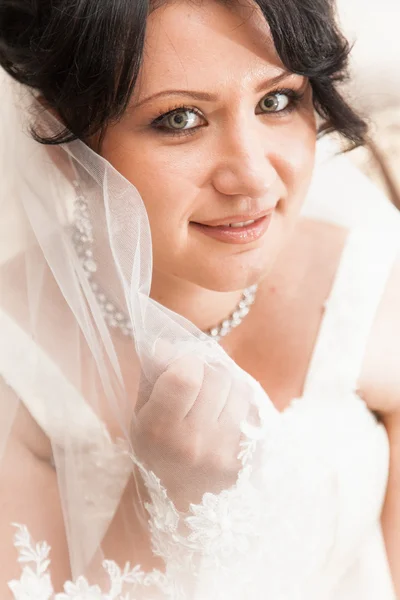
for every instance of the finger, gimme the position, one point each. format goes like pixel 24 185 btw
pixel 144 392
pixel 175 391
pixel 230 422
pixel 212 396
pixel 237 407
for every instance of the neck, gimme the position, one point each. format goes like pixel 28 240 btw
pixel 205 308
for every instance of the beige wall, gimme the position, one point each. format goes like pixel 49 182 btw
pixel 374 26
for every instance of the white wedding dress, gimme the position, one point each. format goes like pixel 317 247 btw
pixel 325 475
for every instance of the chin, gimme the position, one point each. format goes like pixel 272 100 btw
pixel 228 268
pixel 229 278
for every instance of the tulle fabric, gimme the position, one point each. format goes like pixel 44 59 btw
pixel 103 398
pixel 158 440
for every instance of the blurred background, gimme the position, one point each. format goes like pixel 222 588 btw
pixel 374 27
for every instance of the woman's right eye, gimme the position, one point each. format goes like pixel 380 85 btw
pixel 179 120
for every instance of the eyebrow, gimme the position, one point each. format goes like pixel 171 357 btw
pixel 205 96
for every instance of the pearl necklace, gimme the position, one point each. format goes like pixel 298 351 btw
pixel 82 238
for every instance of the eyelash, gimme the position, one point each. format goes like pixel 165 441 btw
pixel 295 97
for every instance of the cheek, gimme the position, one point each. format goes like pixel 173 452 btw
pixel 168 184
pixel 294 163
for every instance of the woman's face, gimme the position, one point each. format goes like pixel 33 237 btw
pixel 217 133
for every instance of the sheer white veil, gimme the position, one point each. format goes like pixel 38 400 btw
pixel 87 387
pixel 103 398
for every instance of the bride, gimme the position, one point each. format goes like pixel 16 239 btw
pixel 199 351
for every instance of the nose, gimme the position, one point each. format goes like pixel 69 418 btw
pixel 244 167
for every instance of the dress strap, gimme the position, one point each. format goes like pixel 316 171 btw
pixel 366 262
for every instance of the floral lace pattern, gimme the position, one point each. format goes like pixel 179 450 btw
pixel 35 582
pixel 217 528
pixel 236 542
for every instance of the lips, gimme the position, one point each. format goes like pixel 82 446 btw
pixel 236 220
pixel 241 234
pixel 234 227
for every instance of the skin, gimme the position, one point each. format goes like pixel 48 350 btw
pixel 237 160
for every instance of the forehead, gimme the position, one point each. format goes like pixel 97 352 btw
pixel 205 45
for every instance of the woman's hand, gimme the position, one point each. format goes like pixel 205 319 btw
pixel 188 432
